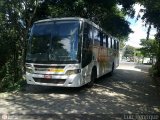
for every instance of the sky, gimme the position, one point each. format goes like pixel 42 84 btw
pixel 140 31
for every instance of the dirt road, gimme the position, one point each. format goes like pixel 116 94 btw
pixel 129 91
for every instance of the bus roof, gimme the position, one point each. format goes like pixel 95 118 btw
pixel 55 19
pixel 72 18
pixel 68 18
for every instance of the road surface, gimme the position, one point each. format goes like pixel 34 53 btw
pixel 129 91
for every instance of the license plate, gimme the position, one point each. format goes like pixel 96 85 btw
pixel 48 76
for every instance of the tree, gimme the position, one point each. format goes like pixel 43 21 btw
pixel 138 56
pixel 15 21
pixel 149 48
pixel 129 52
pixel 151 17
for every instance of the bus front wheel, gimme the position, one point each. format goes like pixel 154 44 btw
pixel 93 78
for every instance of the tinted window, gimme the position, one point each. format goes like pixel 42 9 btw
pixel 87 42
pixel 87 36
pixel 54 41
pixel 115 44
pixel 112 43
pixel 96 37
pixel 104 40
pixel 101 39
pixel 107 41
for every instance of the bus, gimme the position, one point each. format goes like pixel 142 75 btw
pixel 69 52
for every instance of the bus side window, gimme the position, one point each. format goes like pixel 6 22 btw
pixel 115 44
pixel 111 42
pixel 87 36
pixel 87 42
pixel 101 38
pixel 107 41
pixel 104 40
pixel 96 36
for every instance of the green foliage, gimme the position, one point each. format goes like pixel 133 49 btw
pixel 149 47
pixel 138 53
pixel 12 41
pixel 151 12
pixel 116 26
pixel 127 7
pixel 129 52
pixel 7 75
pixel 151 17
pixel 153 71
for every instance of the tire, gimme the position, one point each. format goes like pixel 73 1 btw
pixel 93 78
pixel 111 73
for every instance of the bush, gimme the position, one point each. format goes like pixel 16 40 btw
pixel 153 71
pixel 10 77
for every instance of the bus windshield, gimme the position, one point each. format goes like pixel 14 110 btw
pixel 53 41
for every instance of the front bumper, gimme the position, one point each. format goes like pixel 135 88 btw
pixel 56 80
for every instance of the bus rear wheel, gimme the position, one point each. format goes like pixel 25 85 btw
pixel 111 73
pixel 93 78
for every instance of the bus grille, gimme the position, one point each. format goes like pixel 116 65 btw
pixel 55 81
pixel 42 66
pixel 47 68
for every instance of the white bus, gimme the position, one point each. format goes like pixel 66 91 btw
pixel 69 52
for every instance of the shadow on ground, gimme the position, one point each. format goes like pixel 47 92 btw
pixel 126 92
pixel 143 68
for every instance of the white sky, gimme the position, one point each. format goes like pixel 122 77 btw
pixel 140 31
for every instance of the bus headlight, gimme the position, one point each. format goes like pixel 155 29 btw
pixel 71 72
pixel 29 70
